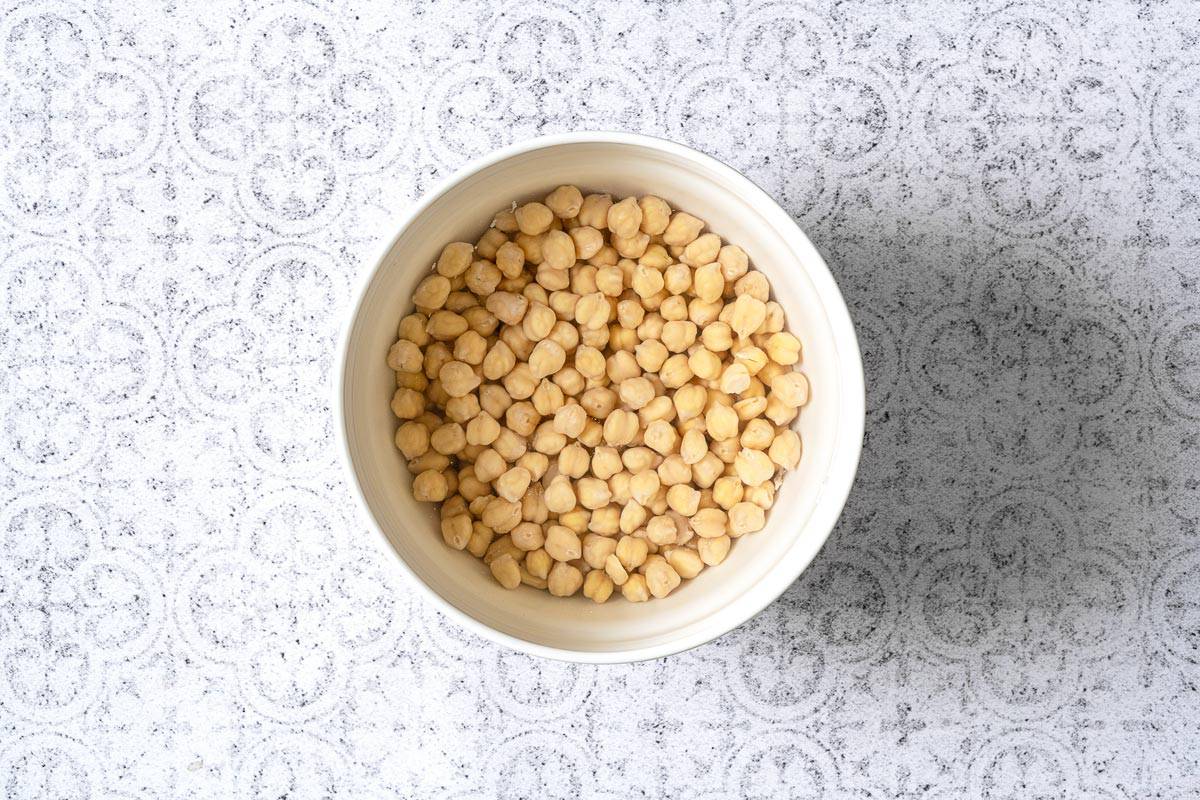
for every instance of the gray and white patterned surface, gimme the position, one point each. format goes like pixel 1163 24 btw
pixel 1009 196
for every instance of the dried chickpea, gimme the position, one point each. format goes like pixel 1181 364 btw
pixel 754 283
pixel 562 543
pixel 721 422
pixel 506 572
pixel 784 450
pixel 686 562
pixel 791 388
pixel 430 487
pixel 597 586
pixel 412 439
pixel 558 250
pixel 661 579
pixel 745 517
pixel 705 364
pixel 615 570
pixel 565 202
pixel 587 240
pixel 455 259
pixel 631 552
pixel 597 549
pixel 757 435
pixel 594 211
pixel 625 218
pixel 656 214
pixel 675 371
pixel 534 218
pixel 564 580
pixel 405 356
pixel 635 590
pixel 682 229
pixel 606 462
pixel 702 250
pixel 620 427
pixel 713 550
pixel 735 379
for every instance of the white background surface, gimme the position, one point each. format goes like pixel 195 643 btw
pixel 1008 196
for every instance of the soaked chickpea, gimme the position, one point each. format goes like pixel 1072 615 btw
pixel 597 395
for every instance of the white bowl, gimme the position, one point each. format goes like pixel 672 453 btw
pixel 761 565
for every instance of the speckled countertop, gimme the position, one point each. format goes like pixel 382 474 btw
pixel 1008 195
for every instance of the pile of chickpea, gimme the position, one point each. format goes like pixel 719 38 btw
pixel 597 394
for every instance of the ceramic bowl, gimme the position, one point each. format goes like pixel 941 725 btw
pixel 760 566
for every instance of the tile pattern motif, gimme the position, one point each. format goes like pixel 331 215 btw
pixel 1008 194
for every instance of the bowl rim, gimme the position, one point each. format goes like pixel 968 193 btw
pixel 843 466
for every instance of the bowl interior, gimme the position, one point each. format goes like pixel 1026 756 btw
pixel 759 565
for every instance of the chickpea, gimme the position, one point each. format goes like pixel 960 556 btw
pixel 635 589
pixel 705 364
pixel 509 308
pixel 621 366
pixel 631 552
pixel 683 499
pixel 656 214
pixel 605 256
pixel 598 402
pixel 597 549
pixel 565 202
pixel 633 247
pixel 625 218
pixel 687 563
pixel 594 211
pixel 757 435
pixel 661 579
pixel 597 586
pixel 791 388
pixel 733 261
pixel 753 467
pixel 615 570
pixel 558 250
pixel 661 437
pixel 587 240
pixel 564 580
pixel 592 311
pixel 702 250
pixel 412 439
pixel 718 337
pixel 647 281
pixel 547 358
pixel 721 422
pixel 783 348
pixel 528 536
pixel 745 517
pixel 754 359
pixel 548 398
pixel 506 572
pixel 448 439
pixel 455 259
pixel 562 543
pixel 689 401
pixel 509 445
pixel 430 487
pixel 673 470
pixel 606 462
pixel 407 404
pixel 708 523
pixel 784 450
pixel 754 283
pixel 534 218
pixel 412 328
pixel 735 379
pixel 693 447
pixel 679 335
pixel 675 371
pixel 713 550
pixel 520 382
pixel 682 229
pixel 620 427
